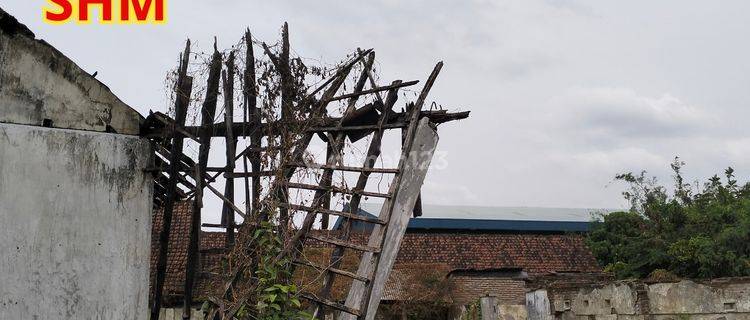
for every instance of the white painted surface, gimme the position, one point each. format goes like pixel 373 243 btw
pixel 75 209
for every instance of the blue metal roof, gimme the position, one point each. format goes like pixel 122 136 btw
pixel 498 225
pixel 479 219
pixel 503 225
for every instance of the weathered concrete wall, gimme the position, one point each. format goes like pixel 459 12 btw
pixel 725 299
pixel 176 314
pixel 75 208
pixel 37 82
pixel 538 306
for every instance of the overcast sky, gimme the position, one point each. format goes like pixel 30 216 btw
pixel 563 94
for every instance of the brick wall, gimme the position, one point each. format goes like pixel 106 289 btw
pixel 470 287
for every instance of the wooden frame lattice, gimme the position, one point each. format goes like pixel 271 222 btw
pixel 178 177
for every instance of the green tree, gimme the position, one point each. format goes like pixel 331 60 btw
pixel 696 231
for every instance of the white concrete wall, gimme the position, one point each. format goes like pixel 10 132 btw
pixel 75 213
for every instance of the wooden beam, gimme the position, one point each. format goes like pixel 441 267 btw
pixel 342 243
pixel 335 189
pixel 231 146
pixel 347 215
pixel 373 90
pixel 250 96
pixel 397 121
pixel 183 88
pixel 331 269
pixel 373 153
pixel 325 180
pixel 208 111
pixel 332 304
pixel 358 294
pixel 344 168
pixel 399 211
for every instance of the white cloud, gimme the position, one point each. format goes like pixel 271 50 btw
pixel 623 112
pixel 653 80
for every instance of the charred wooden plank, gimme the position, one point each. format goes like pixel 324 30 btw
pixel 396 121
pixel 183 89
pixel 208 111
pixel 231 146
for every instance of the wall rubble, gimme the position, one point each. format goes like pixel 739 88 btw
pixel 724 299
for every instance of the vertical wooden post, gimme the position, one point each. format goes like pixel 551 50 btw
pixel 489 308
pixel 183 89
pixel 287 97
pixel 418 205
pixel 227 212
pixel 208 111
pixel 253 114
pixel 330 152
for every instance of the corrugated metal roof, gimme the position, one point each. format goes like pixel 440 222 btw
pixel 501 213
pixel 499 225
pixel 528 219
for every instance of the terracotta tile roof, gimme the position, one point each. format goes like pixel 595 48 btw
pixel 533 253
pixel 178 247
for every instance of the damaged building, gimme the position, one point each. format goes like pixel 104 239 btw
pixel 101 210
pixel 479 257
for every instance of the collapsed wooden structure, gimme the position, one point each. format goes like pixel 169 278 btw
pixel 280 131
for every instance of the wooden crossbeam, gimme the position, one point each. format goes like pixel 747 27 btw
pixel 331 304
pixel 343 168
pixel 345 273
pixel 254 127
pixel 342 243
pixel 332 212
pixel 219 225
pixel 337 190
pixel 251 174
pixel 376 89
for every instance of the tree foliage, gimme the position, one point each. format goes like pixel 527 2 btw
pixel 695 231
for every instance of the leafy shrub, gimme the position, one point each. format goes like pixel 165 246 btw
pixel 696 231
